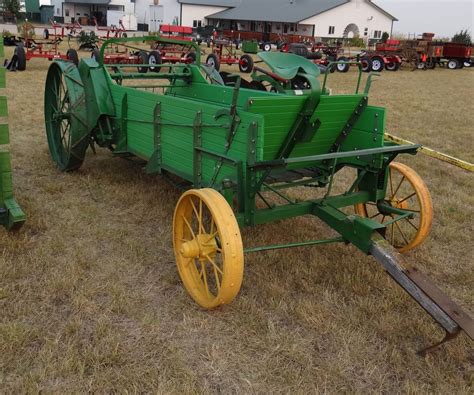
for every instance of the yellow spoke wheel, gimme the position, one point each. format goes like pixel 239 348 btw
pixel 208 247
pixel 407 191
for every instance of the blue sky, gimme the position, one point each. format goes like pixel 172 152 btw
pixel 442 17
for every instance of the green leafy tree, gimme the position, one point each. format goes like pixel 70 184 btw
pixel 385 37
pixel 462 37
pixel 356 41
pixel 12 6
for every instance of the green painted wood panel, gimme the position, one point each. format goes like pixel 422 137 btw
pixel 4 134
pixel 3 77
pixel 3 106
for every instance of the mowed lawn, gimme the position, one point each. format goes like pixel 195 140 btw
pixel 90 298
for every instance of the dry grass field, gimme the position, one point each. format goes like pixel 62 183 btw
pixel 90 298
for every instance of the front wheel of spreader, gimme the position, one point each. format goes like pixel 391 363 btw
pixel 208 247
pixel 405 191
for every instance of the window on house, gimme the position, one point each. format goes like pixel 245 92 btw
pixel 197 23
pixel 285 28
pixel 332 29
pixel 253 26
pixel 66 13
pixel 366 31
pixel 377 33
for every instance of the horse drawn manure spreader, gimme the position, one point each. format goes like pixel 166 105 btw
pixel 238 144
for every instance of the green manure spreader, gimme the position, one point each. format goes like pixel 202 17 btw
pixel 239 145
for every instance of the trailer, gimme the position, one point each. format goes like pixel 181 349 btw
pixel 236 151
pixel 46 48
pixel 424 53
pixel 224 51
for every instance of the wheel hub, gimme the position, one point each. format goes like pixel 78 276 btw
pixel 201 246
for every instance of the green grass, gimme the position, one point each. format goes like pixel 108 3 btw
pixel 90 298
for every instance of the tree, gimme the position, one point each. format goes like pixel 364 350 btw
pixel 462 37
pixel 12 6
pixel 385 37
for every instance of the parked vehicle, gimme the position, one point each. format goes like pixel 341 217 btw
pixel 224 51
pixel 236 148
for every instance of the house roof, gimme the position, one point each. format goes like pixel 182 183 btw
pixel 100 2
pixel 217 3
pixel 277 10
pixel 292 11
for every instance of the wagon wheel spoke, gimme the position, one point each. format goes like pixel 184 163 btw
pixel 406 198
pixel 189 226
pixel 398 187
pixel 412 224
pixel 198 215
pixel 401 232
pixel 204 276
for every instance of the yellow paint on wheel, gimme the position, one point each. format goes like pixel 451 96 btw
pixel 208 247
pixel 407 191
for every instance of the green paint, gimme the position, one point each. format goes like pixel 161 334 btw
pixel 235 139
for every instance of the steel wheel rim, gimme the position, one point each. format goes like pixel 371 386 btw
pixel 405 190
pixel 376 64
pixel 208 247
pixel 59 119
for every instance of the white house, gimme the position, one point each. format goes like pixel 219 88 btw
pixel 319 18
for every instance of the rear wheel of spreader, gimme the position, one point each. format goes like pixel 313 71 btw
pixel 208 247
pixel 65 116
pixel 406 191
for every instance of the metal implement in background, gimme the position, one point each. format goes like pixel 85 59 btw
pixel 11 215
pixel 435 154
pixel 239 145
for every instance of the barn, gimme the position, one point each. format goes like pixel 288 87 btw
pixel 324 19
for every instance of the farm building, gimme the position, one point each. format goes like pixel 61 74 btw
pixel 320 18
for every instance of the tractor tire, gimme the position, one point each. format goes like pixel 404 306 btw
pixel 95 54
pixel 392 66
pixel 366 64
pixel 343 68
pixel 421 66
pixel 143 57
pixel 267 47
pixel 72 56
pixel 467 64
pixel 191 57
pixel 154 57
pixel 430 64
pixel 213 61
pixel 453 64
pixel 333 68
pixel 20 57
pixel 461 65
pixel 246 64
pixel 378 64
